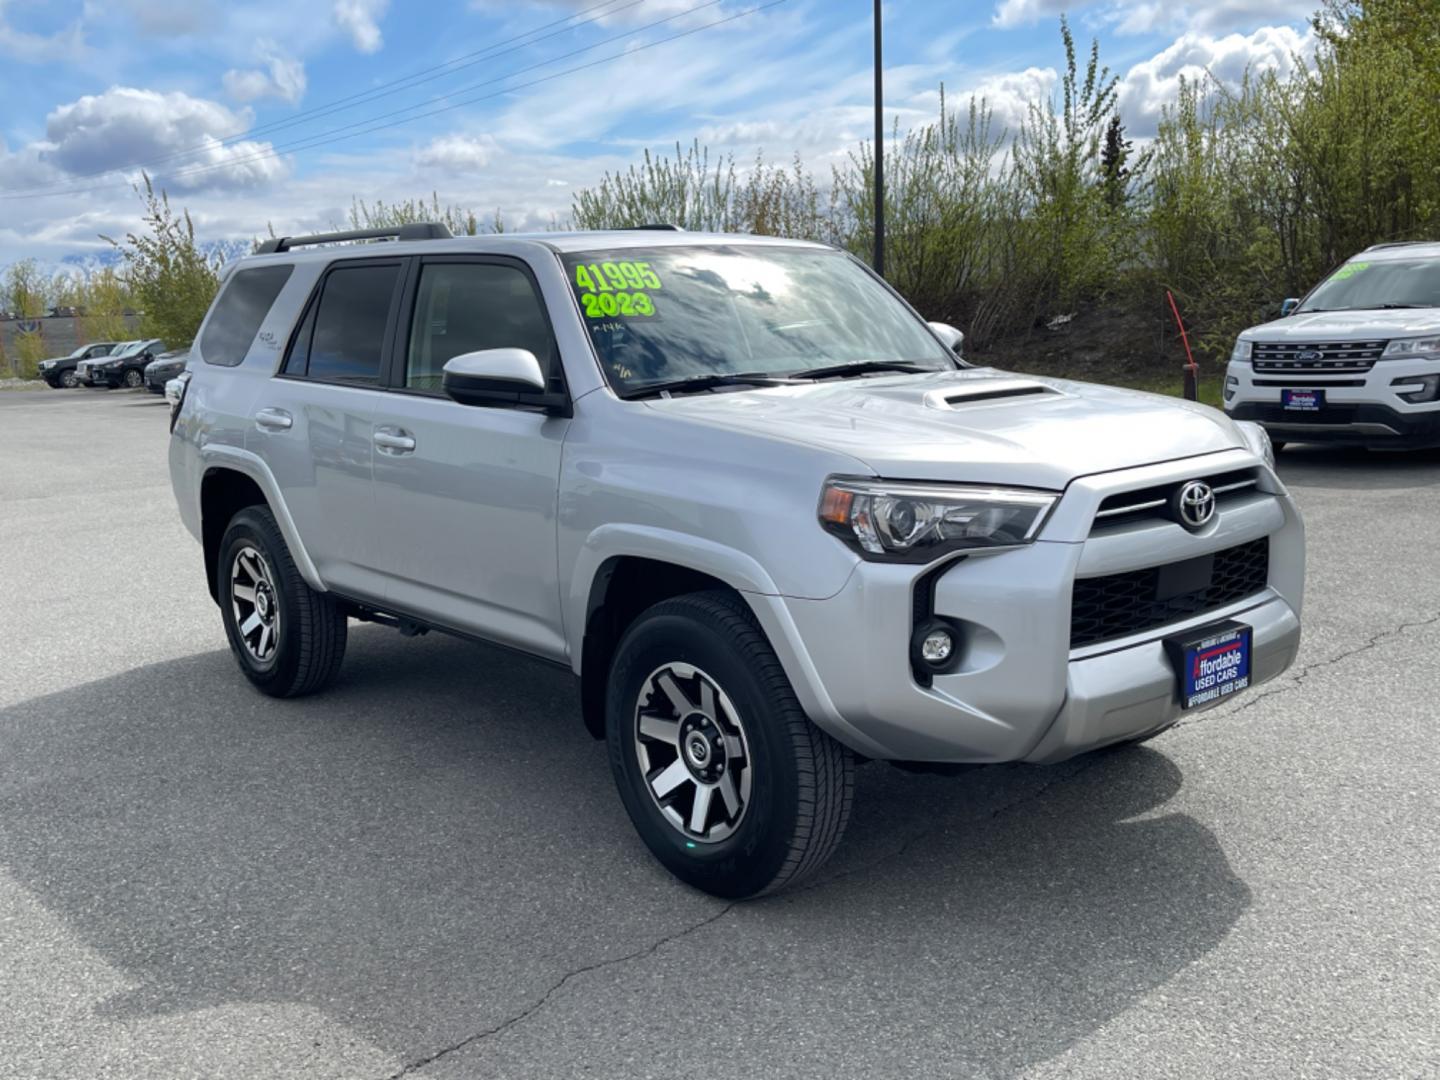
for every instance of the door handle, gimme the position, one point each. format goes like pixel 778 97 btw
pixel 273 419
pixel 394 440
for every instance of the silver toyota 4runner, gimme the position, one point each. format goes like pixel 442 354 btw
pixel 765 514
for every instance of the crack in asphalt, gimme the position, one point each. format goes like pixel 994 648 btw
pixel 544 999
pixel 1373 642
pixel 898 852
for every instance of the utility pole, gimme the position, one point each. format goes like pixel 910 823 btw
pixel 879 151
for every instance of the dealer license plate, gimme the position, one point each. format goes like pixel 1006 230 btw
pixel 1212 662
pixel 1302 400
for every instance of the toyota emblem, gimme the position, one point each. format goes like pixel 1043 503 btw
pixel 1193 505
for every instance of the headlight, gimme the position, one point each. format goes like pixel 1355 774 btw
pixel 1258 440
pixel 898 522
pixel 1242 349
pixel 46 365
pixel 1427 347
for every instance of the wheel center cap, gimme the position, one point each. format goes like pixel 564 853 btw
pixel 697 748
pixel 263 603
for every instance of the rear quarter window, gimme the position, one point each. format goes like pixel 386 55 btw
pixel 238 313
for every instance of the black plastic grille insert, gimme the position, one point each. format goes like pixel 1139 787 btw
pixel 1117 605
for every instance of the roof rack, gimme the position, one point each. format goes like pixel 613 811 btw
pixel 658 226
pixel 419 230
pixel 1397 243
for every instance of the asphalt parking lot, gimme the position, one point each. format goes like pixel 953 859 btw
pixel 427 872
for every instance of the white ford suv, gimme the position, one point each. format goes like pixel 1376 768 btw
pixel 1356 362
pixel 763 512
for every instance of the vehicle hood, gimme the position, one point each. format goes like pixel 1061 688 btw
pixel 1349 326
pixel 979 425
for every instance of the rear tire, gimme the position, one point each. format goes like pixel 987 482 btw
pixel 287 638
pixel 697 699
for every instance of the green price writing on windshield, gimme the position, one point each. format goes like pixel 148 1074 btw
pixel 616 277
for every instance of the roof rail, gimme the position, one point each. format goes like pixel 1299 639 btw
pixel 419 230
pixel 658 226
pixel 1397 243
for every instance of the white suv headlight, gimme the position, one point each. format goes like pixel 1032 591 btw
pixel 1425 347
pixel 1242 349
pixel 915 523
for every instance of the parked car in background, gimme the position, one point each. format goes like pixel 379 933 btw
pixel 1356 362
pixel 123 367
pixel 164 368
pixel 60 371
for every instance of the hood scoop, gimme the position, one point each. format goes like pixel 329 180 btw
pixel 987 390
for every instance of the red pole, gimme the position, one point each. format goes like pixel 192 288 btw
pixel 1192 373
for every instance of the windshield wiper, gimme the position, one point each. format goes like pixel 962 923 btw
pixel 859 368
pixel 1392 307
pixel 693 383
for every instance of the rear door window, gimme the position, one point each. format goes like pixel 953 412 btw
pixel 342 338
pixel 238 313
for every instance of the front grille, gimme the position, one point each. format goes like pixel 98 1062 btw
pixel 1142 504
pixel 1315 358
pixel 1117 605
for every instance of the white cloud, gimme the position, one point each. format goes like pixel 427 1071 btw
pixel 171 18
pixel 1153 83
pixel 456 153
pixel 619 11
pixel 1010 13
pixel 1153 16
pixel 1010 95
pixel 281 77
pixel 361 20
pixel 125 126
pixel 65 44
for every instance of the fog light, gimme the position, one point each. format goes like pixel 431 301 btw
pixel 1416 388
pixel 937 647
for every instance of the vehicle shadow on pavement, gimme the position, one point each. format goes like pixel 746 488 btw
pixel 434 847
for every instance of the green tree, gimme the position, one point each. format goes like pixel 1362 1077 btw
pixel 170 276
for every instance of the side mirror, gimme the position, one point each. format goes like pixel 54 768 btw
pixel 493 377
pixel 954 340
pixel 1289 304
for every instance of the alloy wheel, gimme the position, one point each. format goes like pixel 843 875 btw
pixel 68 380
pixel 691 747
pixel 133 379
pixel 255 603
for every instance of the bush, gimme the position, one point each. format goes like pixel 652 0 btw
pixel 170 276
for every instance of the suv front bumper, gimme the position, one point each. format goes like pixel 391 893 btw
pixel 1372 414
pixel 1020 692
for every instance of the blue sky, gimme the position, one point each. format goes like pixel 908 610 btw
pixel 214 96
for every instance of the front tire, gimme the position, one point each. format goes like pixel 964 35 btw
pixel 134 379
pixel 68 380
pixel 287 638
pixel 726 779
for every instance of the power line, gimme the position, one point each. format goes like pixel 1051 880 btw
pixel 374 93
pixel 369 126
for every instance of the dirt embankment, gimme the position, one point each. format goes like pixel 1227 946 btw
pixel 1108 342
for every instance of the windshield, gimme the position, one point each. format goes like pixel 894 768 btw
pixel 1364 285
pixel 661 314
pixel 78 353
